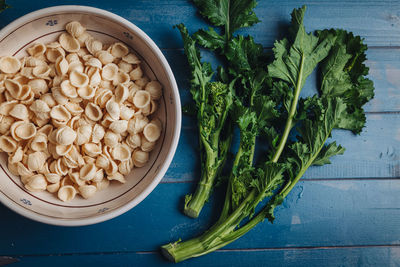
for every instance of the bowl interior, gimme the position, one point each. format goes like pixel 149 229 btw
pixel 117 198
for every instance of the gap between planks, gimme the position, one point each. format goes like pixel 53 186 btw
pixel 270 48
pixel 217 251
pixel 171 180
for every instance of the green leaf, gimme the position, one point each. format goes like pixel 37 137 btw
pixel 276 201
pixel 265 110
pixel 295 61
pixel 327 152
pixel 232 14
pixel 201 72
pixel 343 75
pixel 209 39
pixel 270 177
pixel 245 55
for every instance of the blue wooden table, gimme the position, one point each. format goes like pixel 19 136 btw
pixel 343 214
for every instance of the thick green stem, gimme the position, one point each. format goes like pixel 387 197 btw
pixel 218 235
pixel 212 239
pixel 292 112
pixel 260 217
pixel 196 202
pixel 227 203
pixel 194 206
pixel 177 252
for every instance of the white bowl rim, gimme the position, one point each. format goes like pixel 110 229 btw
pixel 177 128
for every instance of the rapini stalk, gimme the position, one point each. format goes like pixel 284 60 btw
pixel 343 90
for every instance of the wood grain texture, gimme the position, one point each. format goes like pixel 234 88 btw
pixel 344 256
pixel 344 214
pixel 315 214
pixel 373 154
pixel 377 21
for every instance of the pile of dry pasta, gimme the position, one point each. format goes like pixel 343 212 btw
pixel 75 114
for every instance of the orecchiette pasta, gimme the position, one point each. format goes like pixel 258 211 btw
pixel 41 71
pixel 141 99
pixel 155 89
pixel 136 73
pixel 103 184
pixel 113 109
pixel 66 193
pixel 16 156
pixel 119 126
pixel 36 183
pixel 147 145
pixel 22 130
pixel 102 161
pixel 109 72
pixel 142 81
pixel 121 152
pixel 36 49
pixel 119 50
pixel 7 144
pixel 36 161
pixel 68 90
pixel 93 45
pixel 53 53
pixel 61 65
pixel 140 158
pixel 9 65
pixel 76 114
pixel 152 131
pixel 104 56
pixel 53 188
pixel 131 59
pixel 69 43
pixel 39 142
pixel 65 136
pixel 75 29
pixel 117 177
pixel 20 112
pixel 93 112
pixel 111 139
pixel 60 115
pixel 87 172
pixel 78 79
pixel 92 150
pixel 38 86
pixel 87 191
pixel 53 177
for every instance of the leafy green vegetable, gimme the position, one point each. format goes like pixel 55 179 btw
pixel 213 103
pixel 240 55
pixel 295 62
pixel 343 76
pixel 231 15
pixel 269 104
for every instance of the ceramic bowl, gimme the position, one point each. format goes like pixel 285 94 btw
pixel 45 25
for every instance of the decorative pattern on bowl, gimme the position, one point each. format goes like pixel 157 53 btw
pixel 44 26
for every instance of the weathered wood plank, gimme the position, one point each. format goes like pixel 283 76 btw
pixel 316 213
pixel 358 256
pixel 375 153
pixel 377 21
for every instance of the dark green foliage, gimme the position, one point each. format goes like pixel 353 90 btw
pixel 267 103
